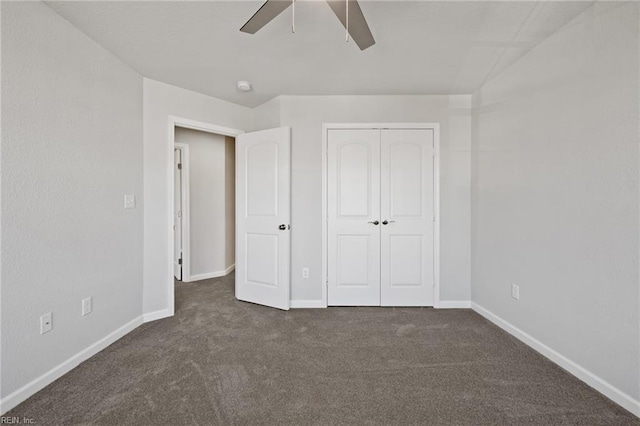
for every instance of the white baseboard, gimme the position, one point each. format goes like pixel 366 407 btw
pixel 156 315
pixel 445 304
pixel 15 398
pixel 453 304
pixel 214 274
pixel 299 304
pixel 599 384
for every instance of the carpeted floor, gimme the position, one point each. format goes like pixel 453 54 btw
pixel 220 361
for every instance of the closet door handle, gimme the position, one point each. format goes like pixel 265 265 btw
pixel 386 222
pixel 375 222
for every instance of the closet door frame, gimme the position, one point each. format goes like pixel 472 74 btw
pixel 436 194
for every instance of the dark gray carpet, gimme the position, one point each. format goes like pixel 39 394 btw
pixel 220 361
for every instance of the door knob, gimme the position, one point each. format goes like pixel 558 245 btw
pixel 282 227
pixel 375 222
pixel 386 222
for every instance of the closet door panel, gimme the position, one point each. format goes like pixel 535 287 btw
pixel 353 242
pixel 407 212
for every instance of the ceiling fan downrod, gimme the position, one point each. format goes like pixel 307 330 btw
pixel 347 20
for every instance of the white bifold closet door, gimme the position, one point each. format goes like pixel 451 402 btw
pixel 354 208
pixel 381 217
pixel 407 217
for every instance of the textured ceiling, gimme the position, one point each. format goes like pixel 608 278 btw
pixel 423 47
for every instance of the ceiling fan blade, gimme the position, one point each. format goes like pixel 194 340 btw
pixel 269 10
pixel 358 28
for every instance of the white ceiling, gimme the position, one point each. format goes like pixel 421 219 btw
pixel 422 47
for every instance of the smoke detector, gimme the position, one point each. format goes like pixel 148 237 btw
pixel 243 86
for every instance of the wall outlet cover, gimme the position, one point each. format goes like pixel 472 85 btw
pixel 129 201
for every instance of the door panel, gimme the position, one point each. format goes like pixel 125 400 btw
pixel 353 203
pixel 405 260
pixel 263 205
pixel 353 256
pixel 262 259
pixel 407 252
pixel 262 179
pixel 353 185
pixel 405 180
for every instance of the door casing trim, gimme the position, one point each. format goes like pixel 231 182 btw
pixel 184 203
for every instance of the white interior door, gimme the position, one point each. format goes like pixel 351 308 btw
pixel 407 217
pixel 263 217
pixel 353 225
pixel 177 214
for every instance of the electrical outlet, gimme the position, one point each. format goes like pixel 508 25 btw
pixel 515 291
pixel 86 306
pixel 129 201
pixel 46 323
pixel 305 272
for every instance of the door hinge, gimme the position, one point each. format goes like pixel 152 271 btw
pixel 180 261
pixel 179 166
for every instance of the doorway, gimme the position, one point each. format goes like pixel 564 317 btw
pixel 203 202
pixel 262 195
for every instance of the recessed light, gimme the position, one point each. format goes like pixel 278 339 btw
pixel 243 86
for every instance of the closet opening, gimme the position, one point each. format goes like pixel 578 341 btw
pixel 381 214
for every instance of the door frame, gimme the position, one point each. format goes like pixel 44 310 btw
pixel 436 195
pixel 185 123
pixel 186 228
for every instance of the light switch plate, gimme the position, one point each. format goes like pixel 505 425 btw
pixel 87 306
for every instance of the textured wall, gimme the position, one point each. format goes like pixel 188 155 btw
pixel 71 150
pixel 555 194
pixel 267 115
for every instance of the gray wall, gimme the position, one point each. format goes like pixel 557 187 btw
pixel 555 194
pixel 306 114
pixel 71 150
pixel 267 115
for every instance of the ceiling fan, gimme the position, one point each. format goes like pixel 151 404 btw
pixel 347 11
